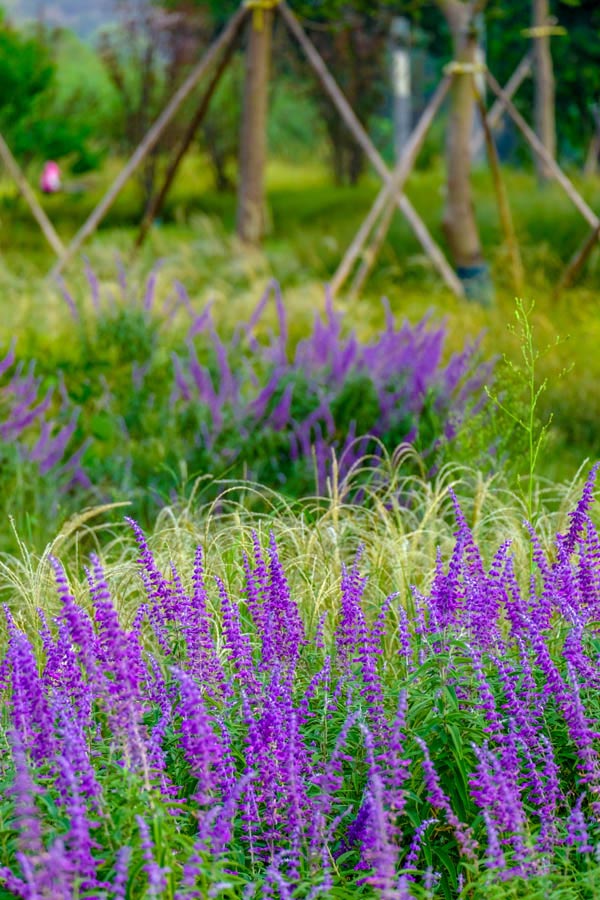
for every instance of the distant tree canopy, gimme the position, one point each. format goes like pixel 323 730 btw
pixel 576 58
pixel 332 11
pixel 352 37
pixel 29 119
pixel 26 71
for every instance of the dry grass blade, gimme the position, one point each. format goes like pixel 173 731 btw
pixel 399 527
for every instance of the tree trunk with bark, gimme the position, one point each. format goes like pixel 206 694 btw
pixel 251 211
pixel 543 74
pixel 459 221
pixel 593 153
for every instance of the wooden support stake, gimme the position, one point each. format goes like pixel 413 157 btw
pixel 152 137
pixel 354 250
pixel 157 202
pixel 588 214
pixel 501 198
pixel 392 187
pixel 510 89
pixel 591 159
pixel 577 261
pixel 371 253
pixel 30 198
pixel 374 157
pixel 251 219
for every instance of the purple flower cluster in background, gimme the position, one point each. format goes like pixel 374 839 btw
pixel 392 381
pixel 150 388
pixel 229 740
pixel 35 425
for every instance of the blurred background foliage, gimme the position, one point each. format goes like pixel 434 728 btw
pixel 140 51
pixel 86 97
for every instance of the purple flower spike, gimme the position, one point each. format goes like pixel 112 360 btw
pixel 282 612
pixel 27 816
pixel 119 885
pixel 380 848
pixel 412 857
pixel 579 516
pixel 439 800
pixel 156 874
pixel 31 714
pixel 577 832
pixel 121 661
pixel 198 738
pixel 238 643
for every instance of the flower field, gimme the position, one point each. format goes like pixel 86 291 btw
pixel 172 731
pixel 142 398
pixel 344 642
pixel 299 521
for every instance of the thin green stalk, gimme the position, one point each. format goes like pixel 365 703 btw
pixel 527 373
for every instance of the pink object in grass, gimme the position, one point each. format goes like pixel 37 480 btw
pixel 50 180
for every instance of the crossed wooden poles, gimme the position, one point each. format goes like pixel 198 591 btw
pixel 391 196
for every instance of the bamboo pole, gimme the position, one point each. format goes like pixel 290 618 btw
pixel 510 89
pixel 152 137
pixel 157 202
pixel 386 197
pixel 354 250
pixel 374 157
pixel 588 214
pixel 501 198
pixel 30 198
pixel 577 261
pixel 371 253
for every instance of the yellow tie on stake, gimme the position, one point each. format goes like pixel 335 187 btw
pixel 259 7
pixel 464 68
pixel 544 31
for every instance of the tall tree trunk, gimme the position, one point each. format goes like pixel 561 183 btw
pixel 251 211
pixel 591 159
pixel 544 114
pixel 459 221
